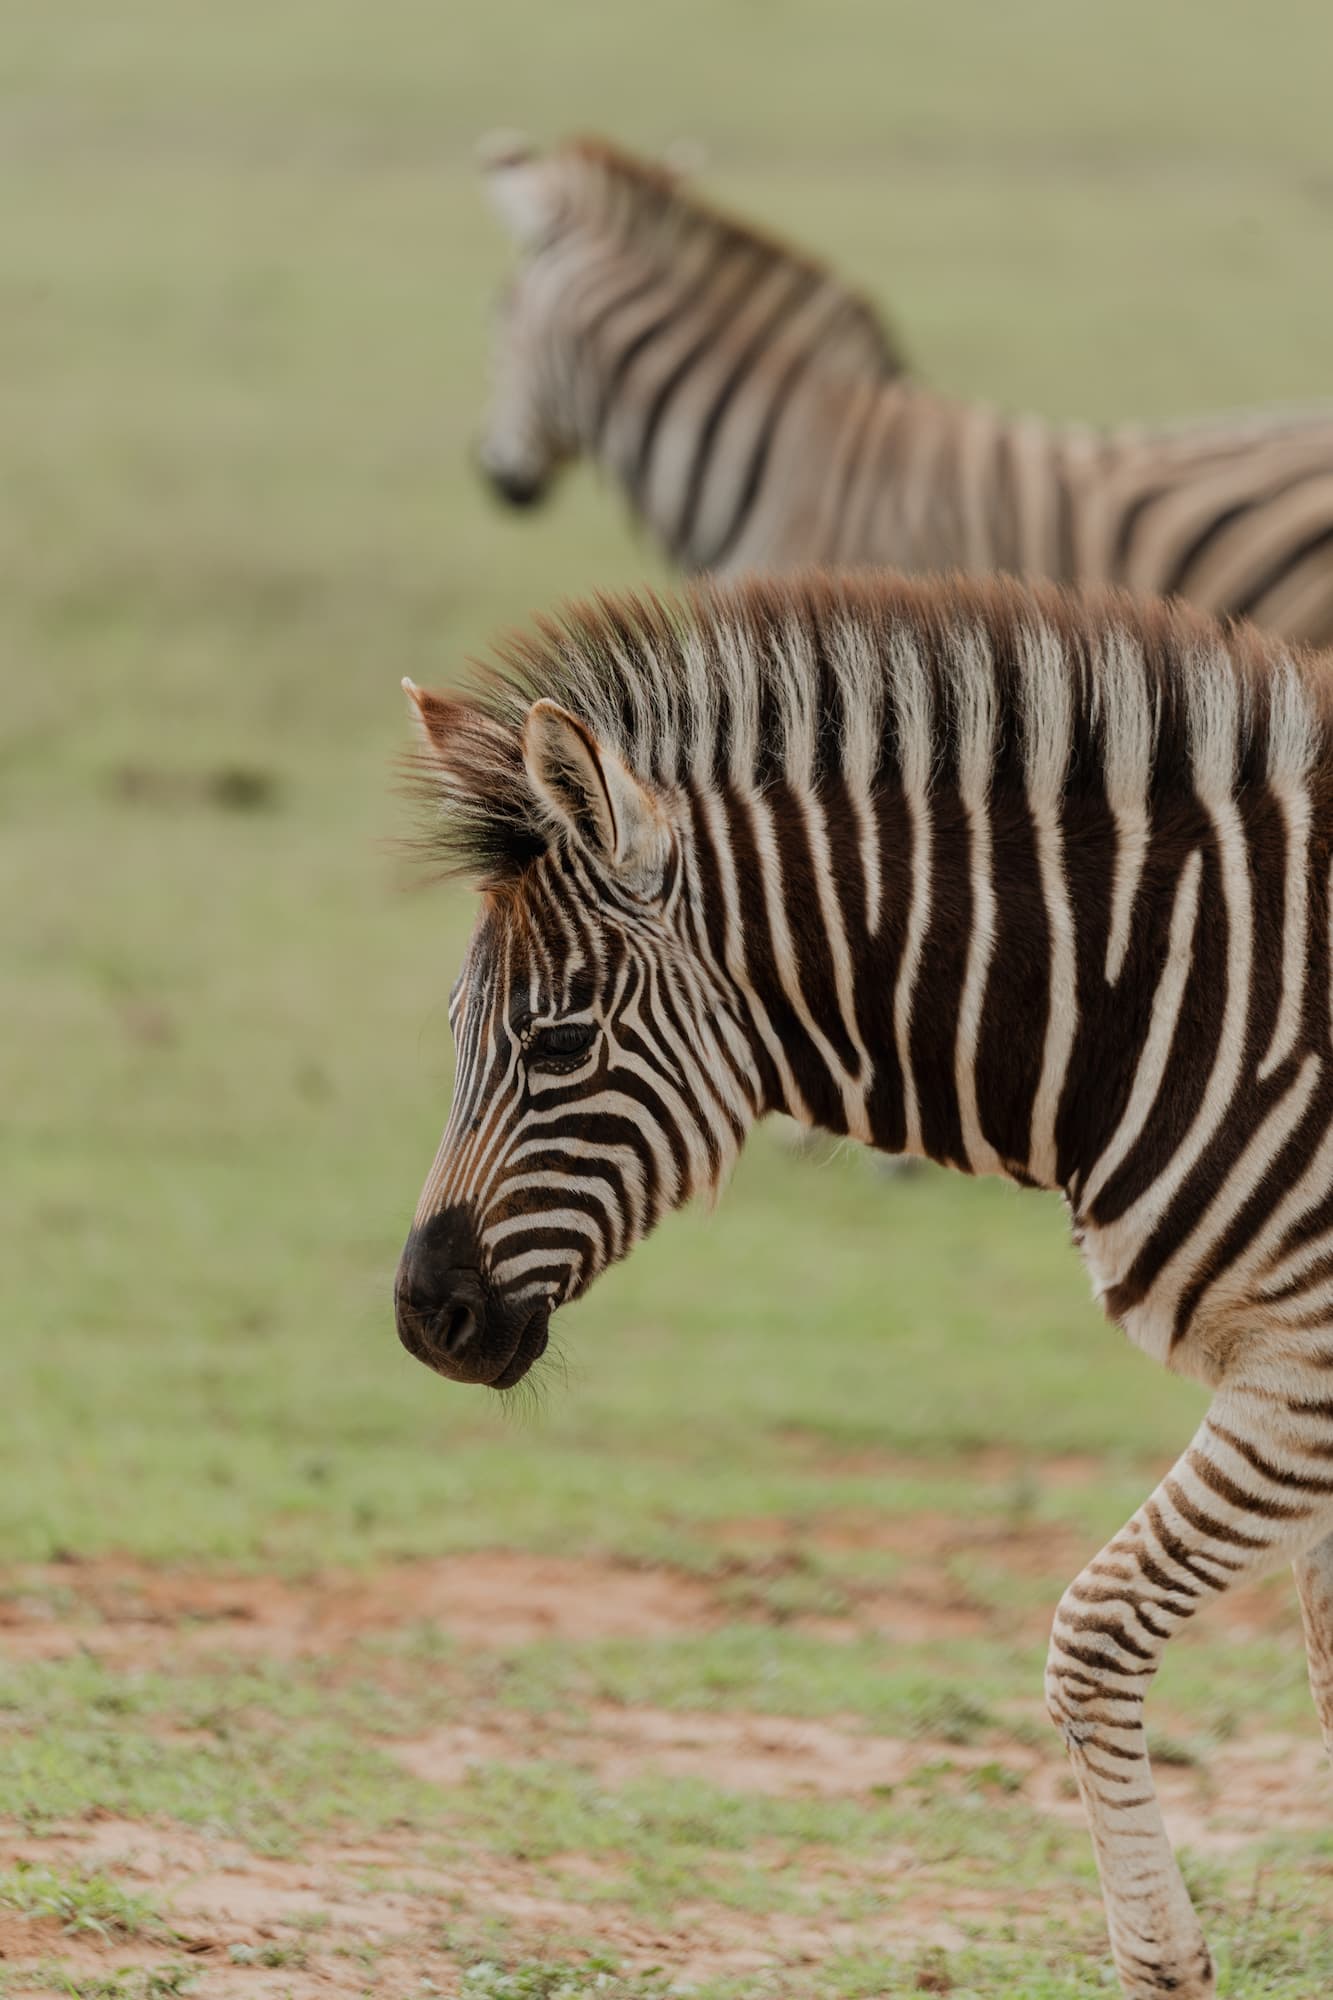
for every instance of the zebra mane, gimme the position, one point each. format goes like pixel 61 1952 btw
pixel 869 679
pixel 642 199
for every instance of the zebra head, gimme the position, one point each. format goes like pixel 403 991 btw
pixel 696 360
pixel 602 1075
pixel 528 432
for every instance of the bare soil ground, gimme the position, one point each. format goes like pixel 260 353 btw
pixel 125 1611
pixel 321 1913
pixel 260 1926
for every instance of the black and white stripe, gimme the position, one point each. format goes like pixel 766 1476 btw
pixel 1030 884
pixel 756 416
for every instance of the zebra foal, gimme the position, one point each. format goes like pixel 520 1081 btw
pixel 757 415
pixel 1029 884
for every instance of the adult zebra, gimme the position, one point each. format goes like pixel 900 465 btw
pixel 757 416
pixel 1035 885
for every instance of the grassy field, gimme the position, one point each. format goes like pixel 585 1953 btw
pixel 719 1671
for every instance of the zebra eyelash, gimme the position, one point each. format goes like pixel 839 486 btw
pixel 558 1045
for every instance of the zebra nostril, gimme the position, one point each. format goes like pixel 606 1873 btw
pixel 457 1328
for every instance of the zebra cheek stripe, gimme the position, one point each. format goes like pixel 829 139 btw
pixel 1034 884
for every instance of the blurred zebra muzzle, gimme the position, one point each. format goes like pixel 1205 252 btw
pixel 512 484
pixel 516 490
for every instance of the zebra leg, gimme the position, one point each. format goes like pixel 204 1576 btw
pixel 1314 1580
pixel 1240 1500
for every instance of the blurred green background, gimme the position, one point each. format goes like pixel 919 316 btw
pixel 245 280
pixel 247 277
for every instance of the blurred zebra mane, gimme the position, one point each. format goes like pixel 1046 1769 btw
pixel 642 199
pixel 866 681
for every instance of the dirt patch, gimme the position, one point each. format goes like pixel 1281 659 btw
pixel 712 1944
pixel 30 1946
pixel 940 1563
pixel 129 1613
pixel 124 1610
pixel 245 1925
pixel 392 1914
pixel 946 1576
pixel 925 1538
pixel 346 1919
pixel 947 1580
pixel 1240 1794
pixel 395 1915
pixel 783 1755
pixel 30 1940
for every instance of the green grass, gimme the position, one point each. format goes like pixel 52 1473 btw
pixel 486 1979
pixel 80 1904
pixel 258 1755
pixel 1277 1958
pixel 157 1982
pixel 280 1756
pixel 245 293
pixel 273 1416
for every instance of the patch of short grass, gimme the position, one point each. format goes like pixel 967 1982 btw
pixel 1213 1686
pixel 597 1977
pixel 266 1757
pixel 899 1689
pixel 82 1904
pixel 680 1839
pixel 1278 1948
pixel 282 1756
pixel 271 1957
pixel 131 1982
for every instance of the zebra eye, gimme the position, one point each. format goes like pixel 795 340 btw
pixel 560 1045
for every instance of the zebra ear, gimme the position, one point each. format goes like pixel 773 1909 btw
pixel 467 758
pixel 587 788
pixel 519 185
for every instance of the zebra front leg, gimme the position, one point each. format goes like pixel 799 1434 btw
pixel 1314 1580
pixel 1234 1505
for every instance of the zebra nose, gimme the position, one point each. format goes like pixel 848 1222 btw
pixel 517 486
pixel 442 1322
pixel 456 1326
pixel 439 1301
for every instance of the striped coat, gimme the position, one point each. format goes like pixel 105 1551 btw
pixel 1034 885
pixel 757 416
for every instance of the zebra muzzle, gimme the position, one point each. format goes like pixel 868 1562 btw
pixel 449 1319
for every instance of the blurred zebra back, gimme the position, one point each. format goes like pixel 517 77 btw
pixel 757 414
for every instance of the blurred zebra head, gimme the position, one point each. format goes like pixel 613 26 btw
pixel 531 429
pixel 655 334
pixel 603 1076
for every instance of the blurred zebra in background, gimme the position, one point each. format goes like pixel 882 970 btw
pixel 758 416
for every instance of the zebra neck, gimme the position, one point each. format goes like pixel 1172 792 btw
pixel 1038 991
pixel 892 984
pixel 731 404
